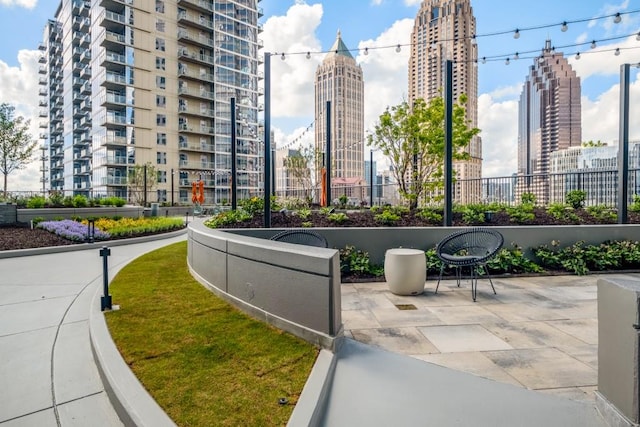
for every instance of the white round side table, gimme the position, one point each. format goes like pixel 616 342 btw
pixel 405 271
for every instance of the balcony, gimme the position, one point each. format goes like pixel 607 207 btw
pixel 199 39
pixel 112 119
pixel 202 130
pixel 113 37
pixel 114 180
pixel 43 113
pixel 186 164
pixel 114 160
pixel 196 93
pixel 114 58
pixel 115 140
pixel 113 98
pixel 115 17
pixel 201 5
pixel 42 69
pixel 202 148
pixel 197 21
pixel 42 59
pixel 196 75
pixel 184 53
pixel 203 112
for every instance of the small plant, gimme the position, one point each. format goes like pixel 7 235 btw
pixel 67 202
pixel 338 218
pixel 602 213
pixel 528 199
pixel 326 211
pixel 430 215
pixel 253 205
pixel 635 205
pixel 357 262
pixel 80 201
pixel 307 224
pixel 472 213
pixel 387 217
pixel 36 202
pixel 562 212
pixel 512 261
pixel 343 200
pixel 576 198
pixel 55 199
pixel 521 214
pixel 227 217
pixel 304 213
pixel 433 262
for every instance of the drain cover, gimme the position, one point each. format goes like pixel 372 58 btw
pixel 406 307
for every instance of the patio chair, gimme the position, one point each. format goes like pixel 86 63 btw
pixel 469 248
pixel 302 237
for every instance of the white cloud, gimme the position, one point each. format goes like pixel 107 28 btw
pixel 498 121
pixel 591 61
pixel 19 87
pixel 29 4
pixel 385 70
pixel 292 79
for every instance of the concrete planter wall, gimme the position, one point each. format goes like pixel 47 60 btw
pixel 377 240
pixel 293 287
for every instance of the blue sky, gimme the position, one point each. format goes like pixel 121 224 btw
pixel 311 25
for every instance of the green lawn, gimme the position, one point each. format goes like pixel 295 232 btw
pixel 205 362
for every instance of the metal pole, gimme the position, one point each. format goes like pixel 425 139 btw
pixel 623 145
pixel 328 156
pixel 448 143
pixel 234 159
pixel 371 178
pixel 145 185
pixel 105 300
pixel 267 140
pixel 172 173
pixel 273 171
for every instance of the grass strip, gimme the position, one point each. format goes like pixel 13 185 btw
pixel 203 361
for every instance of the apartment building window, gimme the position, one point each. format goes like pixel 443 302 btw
pixel 160 44
pixel 160 6
pixel 160 63
pixel 162 177
pixel 160 25
pixel 161 138
pixel 162 195
pixel 161 82
pixel 161 101
pixel 161 158
pixel 161 120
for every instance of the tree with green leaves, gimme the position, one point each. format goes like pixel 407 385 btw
pixel 298 165
pixel 413 140
pixel 137 183
pixel 17 147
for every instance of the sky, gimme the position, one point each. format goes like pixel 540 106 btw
pixel 295 27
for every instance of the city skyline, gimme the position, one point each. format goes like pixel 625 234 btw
pixel 300 27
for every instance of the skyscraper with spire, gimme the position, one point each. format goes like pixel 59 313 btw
pixel 444 30
pixel 339 80
pixel 549 118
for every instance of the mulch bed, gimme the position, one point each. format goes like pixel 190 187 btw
pixel 25 238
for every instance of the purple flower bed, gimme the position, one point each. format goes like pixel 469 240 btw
pixel 72 230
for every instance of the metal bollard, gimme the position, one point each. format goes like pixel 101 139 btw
pixel 105 300
pixel 91 230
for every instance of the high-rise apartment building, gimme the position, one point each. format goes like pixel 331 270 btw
pixel 339 80
pixel 549 119
pixel 127 83
pixel 445 30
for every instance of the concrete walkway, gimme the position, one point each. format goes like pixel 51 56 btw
pixel 48 375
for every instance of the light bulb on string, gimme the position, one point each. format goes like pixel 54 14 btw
pixel 564 27
pixel 507 62
pixel 516 34
pixel 617 52
pixel 484 59
pixel 398 48
pixel 283 57
pixel 516 56
pixel 366 51
pixel 638 36
pixel 593 44
pixel 617 18
pixel 578 55
pixel 308 55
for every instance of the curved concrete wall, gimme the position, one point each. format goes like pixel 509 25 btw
pixel 293 287
pixel 377 240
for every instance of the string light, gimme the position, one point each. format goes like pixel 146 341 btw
pixel 366 51
pixel 617 18
pixel 484 59
pixel 578 55
pixel 283 57
pixel 506 62
pixel 617 53
pixel 308 55
pixel 593 44
pixel 516 35
pixel 398 48
pixel 564 27
pixel 516 56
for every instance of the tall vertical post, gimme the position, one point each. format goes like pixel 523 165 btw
pixel 44 169
pixel 172 174
pixel 144 197
pixel 105 300
pixel 623 145
pixel 267 140
pixel 234 160
pixel 371 178
pixel 448 143
pixel 328 150
pixel 273 171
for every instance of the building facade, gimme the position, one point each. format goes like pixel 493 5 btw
pixel 549 119
pixel 339 80
pixel 150 83
pixel 445 30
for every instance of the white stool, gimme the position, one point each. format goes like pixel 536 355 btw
pixel 405 271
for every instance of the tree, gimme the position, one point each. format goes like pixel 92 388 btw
pixel 16 144
pixel 299 164
pixel 413 140
pixel 138 186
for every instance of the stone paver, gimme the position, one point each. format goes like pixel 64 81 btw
pixel 539 333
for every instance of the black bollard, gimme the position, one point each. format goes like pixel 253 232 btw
pixel 105 300
pixel 91 230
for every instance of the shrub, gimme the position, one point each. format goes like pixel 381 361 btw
pixel 562 212
pixel 80 201
pixel 635 205
pixel 304 213
pixel 528 199
pixel 67 202
pixel 227 217
pixel 512 261
pixel 471 213
pixel 521 214
pixel 429 215
pixel 338 218
pixel 307 224
pixel 387 217
pixel 576 198
pixel 36 202
pixel 253 205
pixel 602 213
pixel 357 262
pixel 55 199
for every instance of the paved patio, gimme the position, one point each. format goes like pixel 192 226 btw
pixel 539 333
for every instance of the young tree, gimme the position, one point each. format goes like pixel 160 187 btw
pixel 299 165
pixel 136 182
pixel 413 140
pixel 16 145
